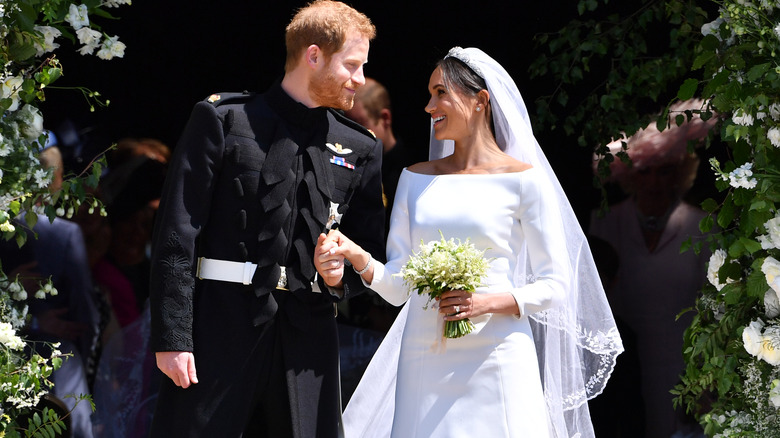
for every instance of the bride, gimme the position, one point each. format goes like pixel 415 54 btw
pixel 544 340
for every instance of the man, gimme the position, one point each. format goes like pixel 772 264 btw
pixel 373 110
pixel 241 325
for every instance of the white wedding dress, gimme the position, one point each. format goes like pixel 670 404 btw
pixel 487 383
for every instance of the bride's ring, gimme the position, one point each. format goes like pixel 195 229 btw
pixel 457 309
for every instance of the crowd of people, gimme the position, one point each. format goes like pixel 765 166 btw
pixel 247 281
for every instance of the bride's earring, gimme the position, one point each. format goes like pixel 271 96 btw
pixel 479 108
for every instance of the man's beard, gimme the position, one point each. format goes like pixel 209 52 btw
pixel 328 92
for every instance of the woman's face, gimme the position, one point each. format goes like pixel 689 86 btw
pixel 451 110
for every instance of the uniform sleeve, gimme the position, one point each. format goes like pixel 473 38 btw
pixel 184 210
pixel 364 221
pixel 543 233
pixel 389 286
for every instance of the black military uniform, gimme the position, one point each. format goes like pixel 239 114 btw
pixel 254 181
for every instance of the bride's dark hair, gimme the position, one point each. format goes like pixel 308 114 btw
pixel 458 75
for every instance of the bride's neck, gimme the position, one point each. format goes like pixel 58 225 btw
pixel 475 152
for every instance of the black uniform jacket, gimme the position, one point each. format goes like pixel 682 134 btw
pixel 252 179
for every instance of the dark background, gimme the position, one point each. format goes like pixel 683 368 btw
pixel 179 52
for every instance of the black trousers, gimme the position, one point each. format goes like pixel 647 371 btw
pixel 270 414
pixel 276 380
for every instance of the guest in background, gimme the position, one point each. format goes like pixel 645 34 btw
pixel 70 317
pixel 619 412
pixel 373 110
pixel 132 191
pixel 655 282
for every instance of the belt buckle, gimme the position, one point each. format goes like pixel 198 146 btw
pixel 282 283
pixel 197 268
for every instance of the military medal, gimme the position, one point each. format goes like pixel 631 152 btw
pixel 340 161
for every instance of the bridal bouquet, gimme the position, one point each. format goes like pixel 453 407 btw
pixel 445 265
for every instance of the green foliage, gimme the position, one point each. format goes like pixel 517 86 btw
pixel 30 30
pixel 612 68
pixel 609 67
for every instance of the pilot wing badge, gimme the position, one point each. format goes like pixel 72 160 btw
pixel 338 148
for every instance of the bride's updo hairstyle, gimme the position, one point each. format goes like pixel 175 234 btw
pixel 456 74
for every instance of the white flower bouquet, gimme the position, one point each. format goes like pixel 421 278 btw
pixel 446 265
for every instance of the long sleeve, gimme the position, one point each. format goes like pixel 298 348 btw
pixel 386 283
pixel 543 233
pixel 364 220
pixel 184 210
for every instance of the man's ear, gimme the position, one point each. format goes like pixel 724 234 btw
pixel 386 118
pixel 314 56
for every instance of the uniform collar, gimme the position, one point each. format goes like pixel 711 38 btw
pixel 292 111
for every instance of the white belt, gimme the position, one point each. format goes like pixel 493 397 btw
pixel 237 272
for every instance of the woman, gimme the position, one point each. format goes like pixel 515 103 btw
pixel 656 281
pixel 498 191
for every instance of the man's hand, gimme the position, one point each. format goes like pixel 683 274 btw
pixel 328 260
pixel 179 366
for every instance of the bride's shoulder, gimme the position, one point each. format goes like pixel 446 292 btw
pixel 425 168
pixel 515 166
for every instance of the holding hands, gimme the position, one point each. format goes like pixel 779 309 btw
pixel 332 251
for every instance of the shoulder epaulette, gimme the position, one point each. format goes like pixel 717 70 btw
pixel 223 98
pixel 351 123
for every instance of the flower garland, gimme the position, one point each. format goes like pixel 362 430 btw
pixel 29 31
pixel 732 348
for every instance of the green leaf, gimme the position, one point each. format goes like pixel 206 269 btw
pixel 750 245
pixel 688 89
pixel 702 60
pixel 726 213
pixel 31 220
pixel 686 245
pixel 709 205
pixel 705 225
pixel 757 71
pixel 734 61
pixel 710 43
pixel 735 250
pixel 21 46
pixel 662 120
pixel 732 271
pixel 756 281
pixel 759 205
pixel 21 238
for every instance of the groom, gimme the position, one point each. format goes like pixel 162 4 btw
pixel 241 326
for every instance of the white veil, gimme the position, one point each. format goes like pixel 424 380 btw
pixel 577 343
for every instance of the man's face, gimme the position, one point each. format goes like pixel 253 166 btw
pixel 334 84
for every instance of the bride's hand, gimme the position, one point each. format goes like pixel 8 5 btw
pixel 328 259
pixel 459 304
pixel 335 248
